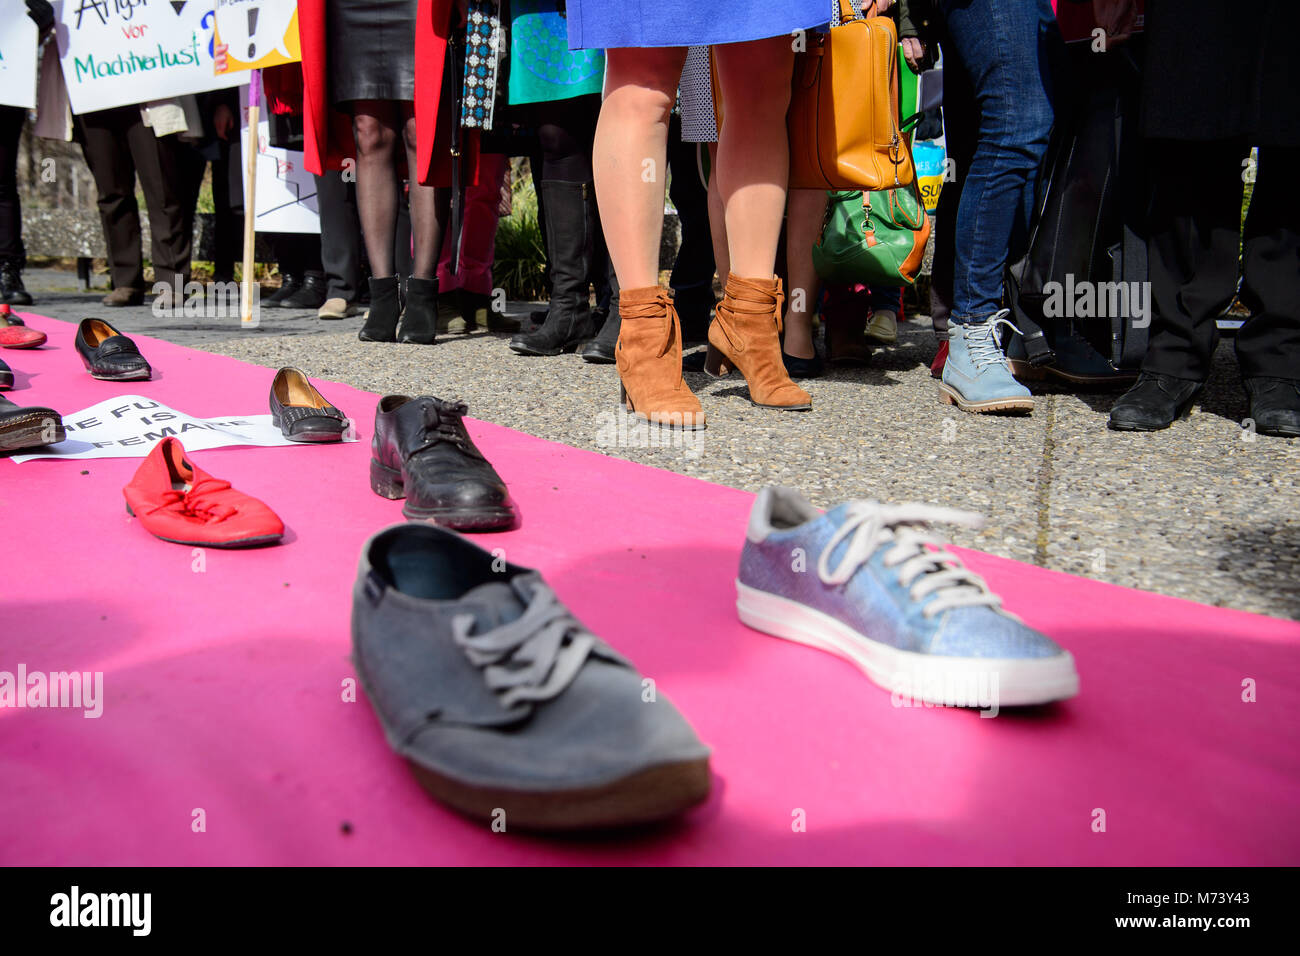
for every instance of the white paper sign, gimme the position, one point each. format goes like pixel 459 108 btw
pixel 286 190
pixel 130 425
pixel 122 52
pixel 18 60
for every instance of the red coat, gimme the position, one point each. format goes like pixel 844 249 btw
pixel 328 132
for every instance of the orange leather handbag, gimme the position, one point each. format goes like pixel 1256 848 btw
pixel 843 119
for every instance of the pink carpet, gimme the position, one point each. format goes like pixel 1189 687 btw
pixel 223 688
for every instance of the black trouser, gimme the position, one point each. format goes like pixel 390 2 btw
pixel 118 147
pixel 1194 235
pixel 694 267
pixel 340 236
pixel 297 253
pixel 11 212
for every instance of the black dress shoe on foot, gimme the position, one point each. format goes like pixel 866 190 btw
pixel 301 412
pixel 310 294
pixel 108 354
pixel 11 285
pixel 1275 406
pixel 797 367
pixel 289 284
pixel 422 452
pixel 1155 402
pixel 28 427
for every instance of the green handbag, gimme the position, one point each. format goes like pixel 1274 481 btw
pixel 876 238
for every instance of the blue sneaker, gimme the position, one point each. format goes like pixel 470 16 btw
pixel 976 377
pixel 870 583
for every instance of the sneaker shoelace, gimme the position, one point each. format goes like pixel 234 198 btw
pixel 532 658
pixel 196 502
pixel 925 566
pixel 983 343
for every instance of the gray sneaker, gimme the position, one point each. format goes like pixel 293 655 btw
pixel 506 707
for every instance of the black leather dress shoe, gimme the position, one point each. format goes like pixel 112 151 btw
pixel 422 452
pixel 108 354
pixel 28 427
pixel 309 294
pixel 1155 402
pixel 1275 406
pixel 289 284
pixel 301 412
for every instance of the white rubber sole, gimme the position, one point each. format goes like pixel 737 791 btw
pixel 914 679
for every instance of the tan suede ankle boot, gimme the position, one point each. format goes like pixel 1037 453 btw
pixel 649 359
pixel 745 330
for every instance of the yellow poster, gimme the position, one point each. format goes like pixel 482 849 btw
pixel 254 34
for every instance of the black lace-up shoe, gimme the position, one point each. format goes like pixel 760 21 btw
pixel 422 452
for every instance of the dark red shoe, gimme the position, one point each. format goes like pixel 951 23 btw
pixel 181 503
pixel 940 360
pixel 14 334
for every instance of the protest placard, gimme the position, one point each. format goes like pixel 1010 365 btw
pixel 257 34
pixel 18 62
pixel 286 190
pixel 121 52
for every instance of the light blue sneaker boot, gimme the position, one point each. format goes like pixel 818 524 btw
pixel 873 584
pixel 976 377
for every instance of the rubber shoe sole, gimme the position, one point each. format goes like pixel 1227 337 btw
pixel 950 396
pixel 388 483
pixel 926 678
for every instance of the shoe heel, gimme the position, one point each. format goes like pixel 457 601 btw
pixel 715 364
pixel 622 397
pixel 385 481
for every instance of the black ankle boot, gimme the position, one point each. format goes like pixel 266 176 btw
pixel 570 238
pixel 421 315
pixel 600 350
pixel 385 308
pixel 12 291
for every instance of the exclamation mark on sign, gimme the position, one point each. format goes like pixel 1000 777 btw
pixel 252 29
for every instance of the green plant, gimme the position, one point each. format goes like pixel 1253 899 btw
pixel 520 265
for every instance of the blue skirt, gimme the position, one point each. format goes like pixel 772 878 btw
pixel 606 24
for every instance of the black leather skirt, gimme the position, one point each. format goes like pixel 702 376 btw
pixel 371 50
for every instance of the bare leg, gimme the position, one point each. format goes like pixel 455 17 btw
pixel 803 223
pixel 430 210
pixel 753 152
pixel 374 128
pixel 631 156
pixel 717 218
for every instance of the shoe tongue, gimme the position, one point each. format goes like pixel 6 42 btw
pixel 494 604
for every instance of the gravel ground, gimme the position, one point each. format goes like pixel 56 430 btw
pixel 1204 510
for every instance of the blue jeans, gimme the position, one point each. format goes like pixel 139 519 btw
pixel 1007 49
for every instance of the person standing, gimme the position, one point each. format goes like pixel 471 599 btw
pixel 13 257
pixel 645 49
pixel 382 62
pixel 1219 80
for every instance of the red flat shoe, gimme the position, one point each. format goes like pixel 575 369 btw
pixel 180 502
pixel 14 334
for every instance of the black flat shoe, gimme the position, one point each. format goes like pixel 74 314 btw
pixel 1275 406
pixel 108 354
pixel 6 375
pixel 301 412
pixel 797 367
pixel 310 294
pixel 28 427
pixel 422 452
pixel 1155 402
